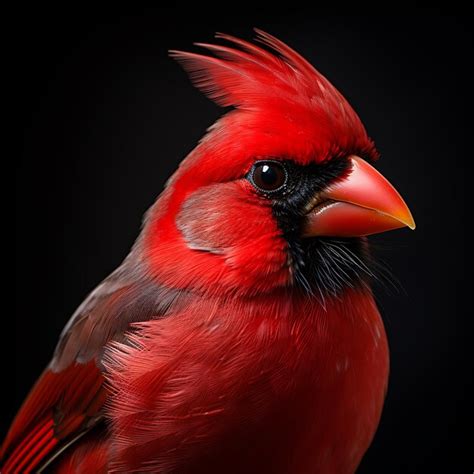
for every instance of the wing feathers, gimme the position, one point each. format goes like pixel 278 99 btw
pixel 59 406
pixel 68 399
pixel 32 449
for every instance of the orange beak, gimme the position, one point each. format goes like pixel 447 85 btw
pixel 363 203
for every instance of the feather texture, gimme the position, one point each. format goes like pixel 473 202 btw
pixel 254 80
pixel 271 382
pixel 68 399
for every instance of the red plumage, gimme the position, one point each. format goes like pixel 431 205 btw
pixel 201 353
pixel 247 400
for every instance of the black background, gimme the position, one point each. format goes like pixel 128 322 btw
pixel 104 117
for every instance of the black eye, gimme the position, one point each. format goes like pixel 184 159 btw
pixel 268 176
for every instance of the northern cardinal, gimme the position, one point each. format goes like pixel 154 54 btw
pixel 240 334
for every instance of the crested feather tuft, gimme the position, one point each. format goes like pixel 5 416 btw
pixel 251 78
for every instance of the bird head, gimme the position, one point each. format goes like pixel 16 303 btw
pixel 280 192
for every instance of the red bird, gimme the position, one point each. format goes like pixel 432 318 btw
pixel 240 334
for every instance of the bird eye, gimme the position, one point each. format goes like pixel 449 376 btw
pixel 268 176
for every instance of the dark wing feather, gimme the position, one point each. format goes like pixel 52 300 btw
pixel 68 398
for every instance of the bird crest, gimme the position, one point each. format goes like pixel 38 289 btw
pixel 278 82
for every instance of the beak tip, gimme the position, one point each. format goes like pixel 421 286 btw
pixel 409 222
pixel 406 221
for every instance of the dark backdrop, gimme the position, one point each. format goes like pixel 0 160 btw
pixel 105 116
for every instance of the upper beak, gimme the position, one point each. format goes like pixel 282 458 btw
pixel 363 203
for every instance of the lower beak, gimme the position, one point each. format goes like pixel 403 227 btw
pixel 361 204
